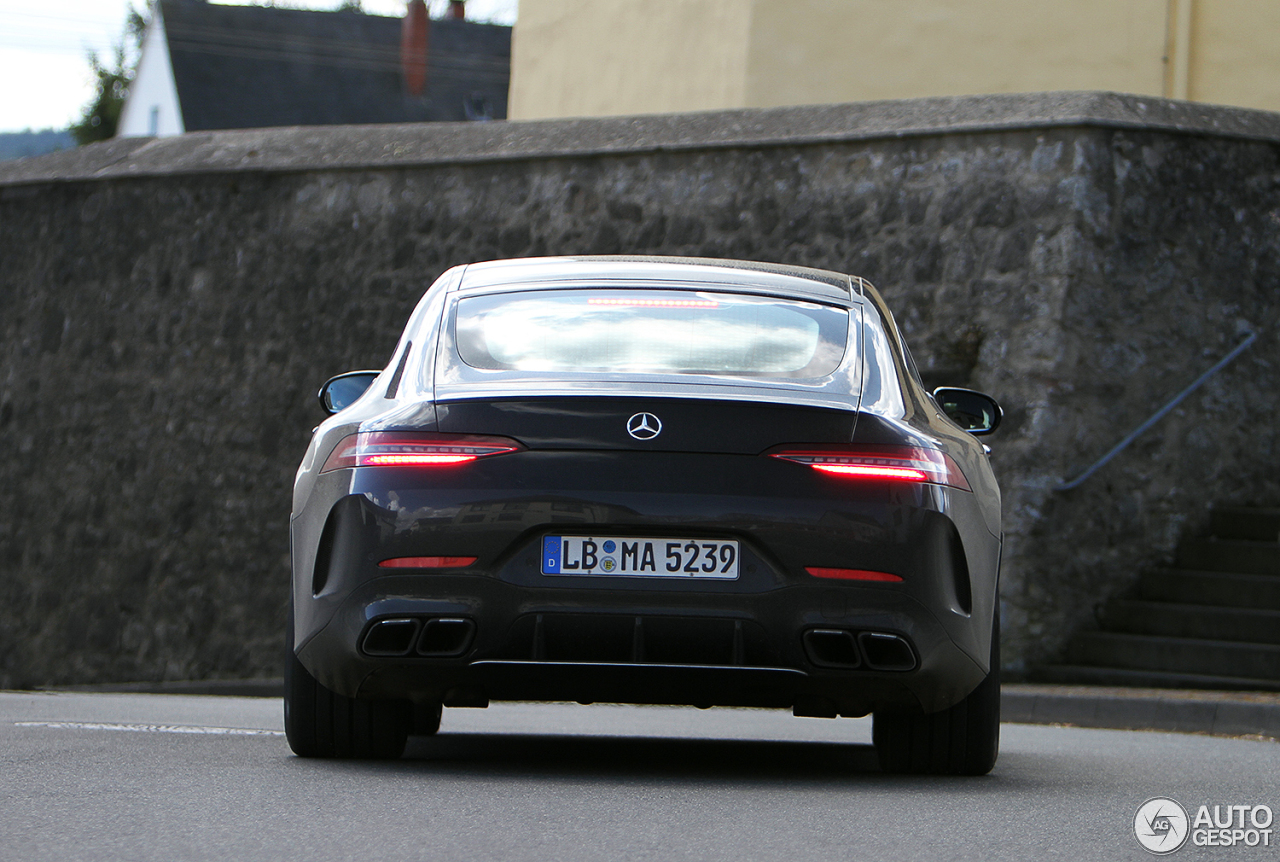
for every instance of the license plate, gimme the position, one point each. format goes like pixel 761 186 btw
pixel 612 556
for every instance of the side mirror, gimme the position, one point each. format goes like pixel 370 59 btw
pixel 974 412
pixel 340 392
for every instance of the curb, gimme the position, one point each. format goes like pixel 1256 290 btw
pixel 1234 713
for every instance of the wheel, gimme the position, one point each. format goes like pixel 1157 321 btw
pixel 961 740
pixel 322 723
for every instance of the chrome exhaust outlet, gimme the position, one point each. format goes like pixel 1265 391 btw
pixel 391 637
pixel 884 651
pixel 446 636
pixel 831 648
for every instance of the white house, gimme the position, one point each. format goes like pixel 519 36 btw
pixel 152 107
pixel 209 66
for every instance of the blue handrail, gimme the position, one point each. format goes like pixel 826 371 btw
pixel 1160 414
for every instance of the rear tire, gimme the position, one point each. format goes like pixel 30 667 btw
pixel 426 718
pixel 961 740
pixel 322 723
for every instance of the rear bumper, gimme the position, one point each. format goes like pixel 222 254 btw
pixel 644 640
pixel 650 647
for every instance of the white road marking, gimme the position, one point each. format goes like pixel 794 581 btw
pixel 150 728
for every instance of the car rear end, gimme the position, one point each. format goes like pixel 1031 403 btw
pixel 643 485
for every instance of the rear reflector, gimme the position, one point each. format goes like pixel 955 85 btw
pixel 851 574
pixel 427 563
pixel 878 463
pixel 408 449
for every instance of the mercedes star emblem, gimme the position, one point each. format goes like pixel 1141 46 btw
pixel 644 426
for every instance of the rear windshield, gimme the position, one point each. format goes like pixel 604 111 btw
pixel 651 332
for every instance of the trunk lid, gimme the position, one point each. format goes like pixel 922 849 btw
pixel 619 423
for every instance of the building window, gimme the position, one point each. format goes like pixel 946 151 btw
pixel 476 107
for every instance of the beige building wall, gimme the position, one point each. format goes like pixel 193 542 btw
pixel 819 51
pixel 1234 53
pixel 591 58
pixel 611 57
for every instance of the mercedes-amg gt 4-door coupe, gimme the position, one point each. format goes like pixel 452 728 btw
pixel 652 481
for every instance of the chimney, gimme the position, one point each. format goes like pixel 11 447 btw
pixel 413 47
pixel 458 10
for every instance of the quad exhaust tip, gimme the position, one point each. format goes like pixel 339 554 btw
pixel 832 648
pixel 435 637
pixel 391 637
pixel 839 648
pixel 884 651
pixel 443 636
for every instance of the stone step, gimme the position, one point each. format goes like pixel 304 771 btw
pixel 1166 619
pixel 1068 674
pixel 1216 589
pixel 1230 555
pixel 1175 655
pixel 1243 522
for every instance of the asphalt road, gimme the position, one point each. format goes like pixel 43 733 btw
pixel 164 777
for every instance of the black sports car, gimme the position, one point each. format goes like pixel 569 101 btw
pixel 648 480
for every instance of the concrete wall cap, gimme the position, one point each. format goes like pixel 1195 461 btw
pixel 313 148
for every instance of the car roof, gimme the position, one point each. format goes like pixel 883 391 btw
pixel 816 283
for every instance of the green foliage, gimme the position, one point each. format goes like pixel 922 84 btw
pixel 101 117
pixel 135 25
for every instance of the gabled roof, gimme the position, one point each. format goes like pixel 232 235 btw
pixel 240 67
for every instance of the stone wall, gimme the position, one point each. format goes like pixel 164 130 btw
pixel 169 308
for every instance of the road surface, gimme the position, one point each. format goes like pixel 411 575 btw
pixel 165 777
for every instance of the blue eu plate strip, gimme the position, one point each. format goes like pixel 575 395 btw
pixel 551 555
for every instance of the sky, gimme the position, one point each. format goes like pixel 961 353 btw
pixel 45 77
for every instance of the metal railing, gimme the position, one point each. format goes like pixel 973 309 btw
pixel 1160 414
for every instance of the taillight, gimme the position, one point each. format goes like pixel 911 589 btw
pixel 414 449
pixel 879 463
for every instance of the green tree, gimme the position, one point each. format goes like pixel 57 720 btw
pixel 101 117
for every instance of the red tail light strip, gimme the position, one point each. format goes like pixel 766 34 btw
pixel 852 574
pixel 869 471
pixel 879 463
pixel 421 459
pixel 414 449
pixel 427 563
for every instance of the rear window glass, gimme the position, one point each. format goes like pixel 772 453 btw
pixel 650 332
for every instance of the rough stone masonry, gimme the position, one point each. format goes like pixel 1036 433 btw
pixel 169 307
